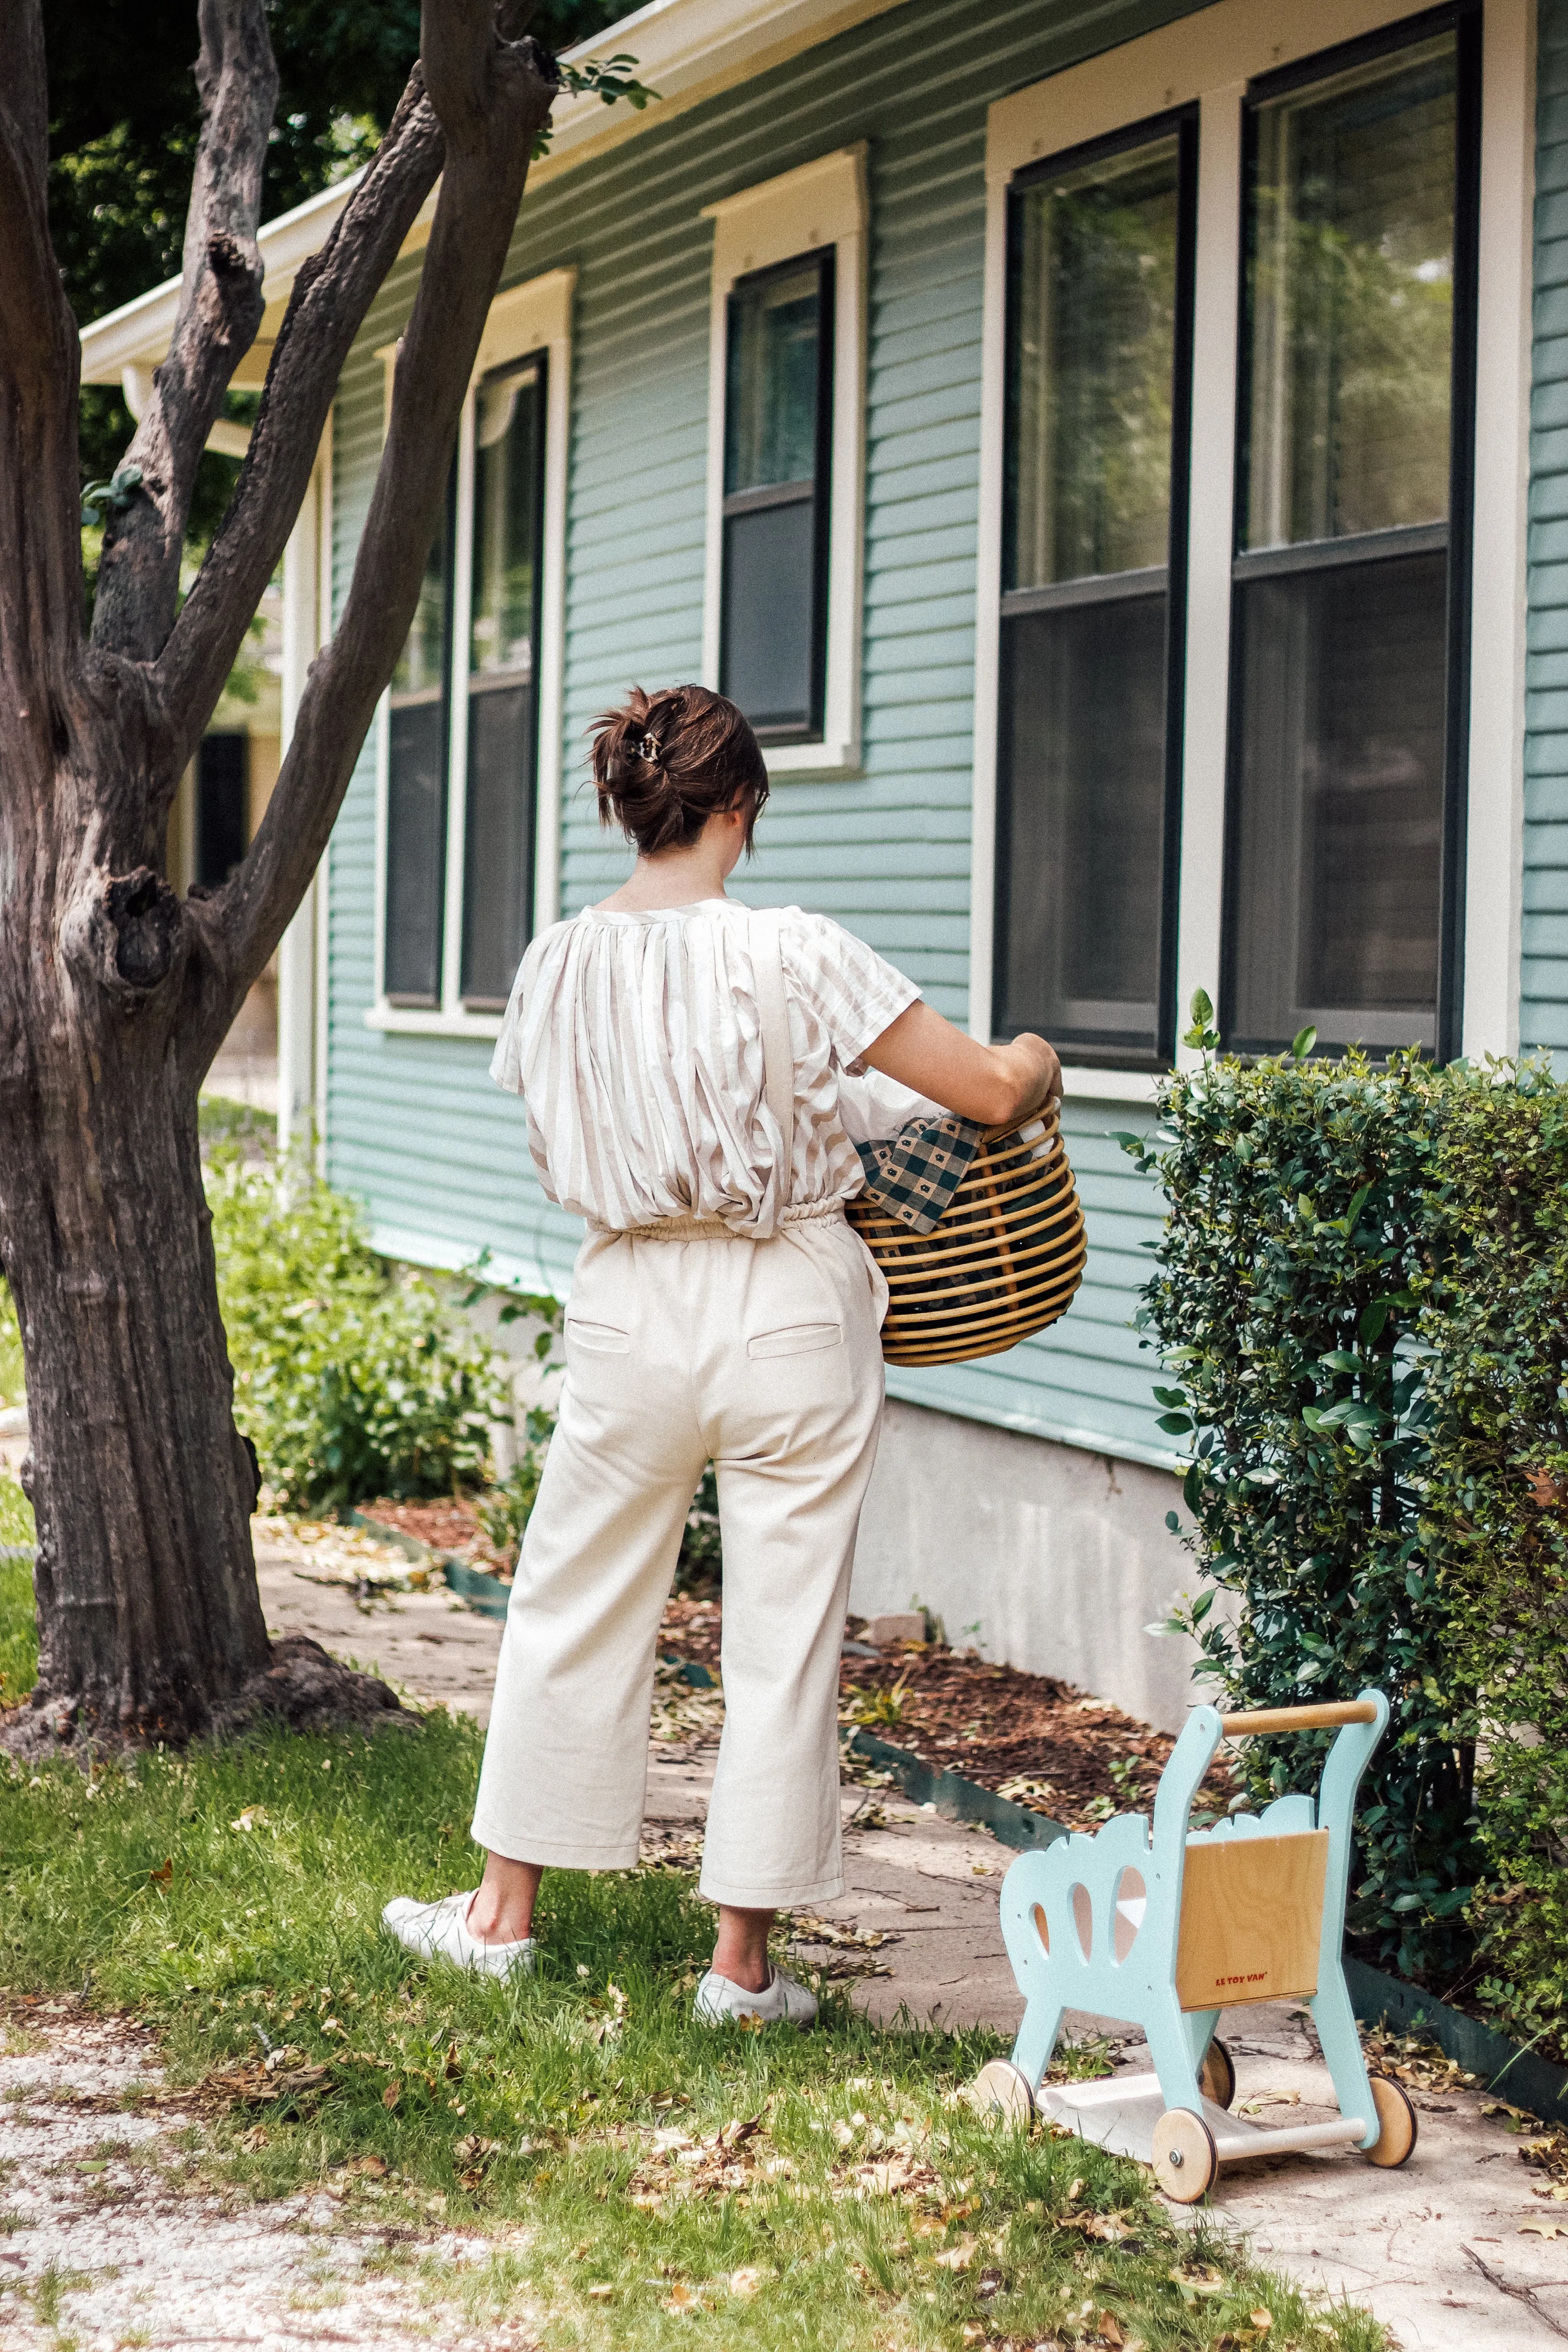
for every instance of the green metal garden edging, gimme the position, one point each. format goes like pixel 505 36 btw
pixel 1516 2074
pixel 471 1585
pixel 958 1800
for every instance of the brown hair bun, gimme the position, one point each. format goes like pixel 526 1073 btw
pixel 664 763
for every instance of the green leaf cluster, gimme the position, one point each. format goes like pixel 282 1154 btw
pixel 352 1381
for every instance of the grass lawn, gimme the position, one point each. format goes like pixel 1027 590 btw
pixel 649 2183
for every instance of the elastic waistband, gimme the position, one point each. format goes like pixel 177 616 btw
pixel 714 1229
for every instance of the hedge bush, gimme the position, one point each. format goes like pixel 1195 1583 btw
pixel 1362 1291
pixel 350 1381
pixel 1291 1279
pixel 1496 1516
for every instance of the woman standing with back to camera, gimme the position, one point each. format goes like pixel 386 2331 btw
pixel 721 1310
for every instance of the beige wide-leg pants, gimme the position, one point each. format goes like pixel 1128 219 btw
pixel 695 1346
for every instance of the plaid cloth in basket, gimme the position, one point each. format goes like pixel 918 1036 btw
pixel 915 1173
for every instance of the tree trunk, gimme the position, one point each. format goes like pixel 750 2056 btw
pixel 114 994
pixel 150 1622
pixel 142 1489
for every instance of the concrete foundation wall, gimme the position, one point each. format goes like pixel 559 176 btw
pixel 1056 1558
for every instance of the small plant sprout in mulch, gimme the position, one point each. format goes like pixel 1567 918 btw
pixel 639 2182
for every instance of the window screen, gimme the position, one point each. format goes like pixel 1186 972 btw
pixel 502 680
pixel 778 410
pixel 1098 363
pixel 416 790
pixel 1344 758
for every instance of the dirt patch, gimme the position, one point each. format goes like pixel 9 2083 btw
pixel 120 2229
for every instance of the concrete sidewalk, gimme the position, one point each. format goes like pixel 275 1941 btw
pixel 1448 2252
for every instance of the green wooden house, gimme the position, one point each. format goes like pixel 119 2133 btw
pixel 1116 453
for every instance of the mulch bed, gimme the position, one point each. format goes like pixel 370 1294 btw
pixel 1028 1736
pixel 450 1525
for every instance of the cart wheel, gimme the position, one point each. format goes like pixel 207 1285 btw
pixel 1185 2158
pixel 1001 2088
pixel 1217 2081
pixel 1396 2124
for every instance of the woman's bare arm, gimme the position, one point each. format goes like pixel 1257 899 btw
pixel 989 1084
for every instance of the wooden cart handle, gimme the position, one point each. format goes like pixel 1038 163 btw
pixel 1297 1718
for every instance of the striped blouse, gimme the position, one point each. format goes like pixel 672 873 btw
pixel 636 1043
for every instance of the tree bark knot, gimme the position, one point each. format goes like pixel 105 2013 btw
pixel 132 933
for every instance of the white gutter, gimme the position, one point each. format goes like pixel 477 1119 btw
pixel 685 49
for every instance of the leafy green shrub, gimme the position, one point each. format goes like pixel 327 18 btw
pixel 1292 1300
pixel 352 1384
pixel 1496 1516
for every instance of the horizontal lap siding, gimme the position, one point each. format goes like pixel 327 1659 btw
pixel 1543 978
pixel 414 1124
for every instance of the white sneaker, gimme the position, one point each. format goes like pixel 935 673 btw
pixel 783 2002
pixel 439 1931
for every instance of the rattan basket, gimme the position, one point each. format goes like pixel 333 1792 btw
pixel 1003 1263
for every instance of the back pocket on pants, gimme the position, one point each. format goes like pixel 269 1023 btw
pixel 795 1340
pixel 599 1338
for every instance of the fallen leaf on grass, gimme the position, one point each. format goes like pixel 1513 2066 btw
pixel 161 1877
pixel 956 2258
pixel 600 2294
pixel 1262 2320
pixel 391 2093
pixel 682 2299
pixel 746 2281
pixel 253 1817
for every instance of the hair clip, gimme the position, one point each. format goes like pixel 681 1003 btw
pixel 651 748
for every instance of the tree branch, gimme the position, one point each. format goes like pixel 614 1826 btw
pixel 333 292
pixel 40 592
pixel 486 157
pixel 220 308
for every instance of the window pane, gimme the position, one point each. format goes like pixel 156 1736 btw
pixel 416 845
pixel 508 420
pixel 497 868
pixel 416 790
pixel 1082 822
pixel 769 610
pixel 497 864
pixel 769 403
pixel 1351 293
pixel 222 794
pixel 421 665
pixel 1341 714
pixel 1093 356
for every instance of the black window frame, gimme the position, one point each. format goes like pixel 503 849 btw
pixel 824 259
pixel 1170 579
pixel 473 1000
pixel 1456 534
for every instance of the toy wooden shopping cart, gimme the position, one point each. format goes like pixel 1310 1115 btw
pixel 1165 1930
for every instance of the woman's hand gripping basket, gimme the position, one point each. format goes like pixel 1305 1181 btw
pixel 1003 1262
pixel 1166 1928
